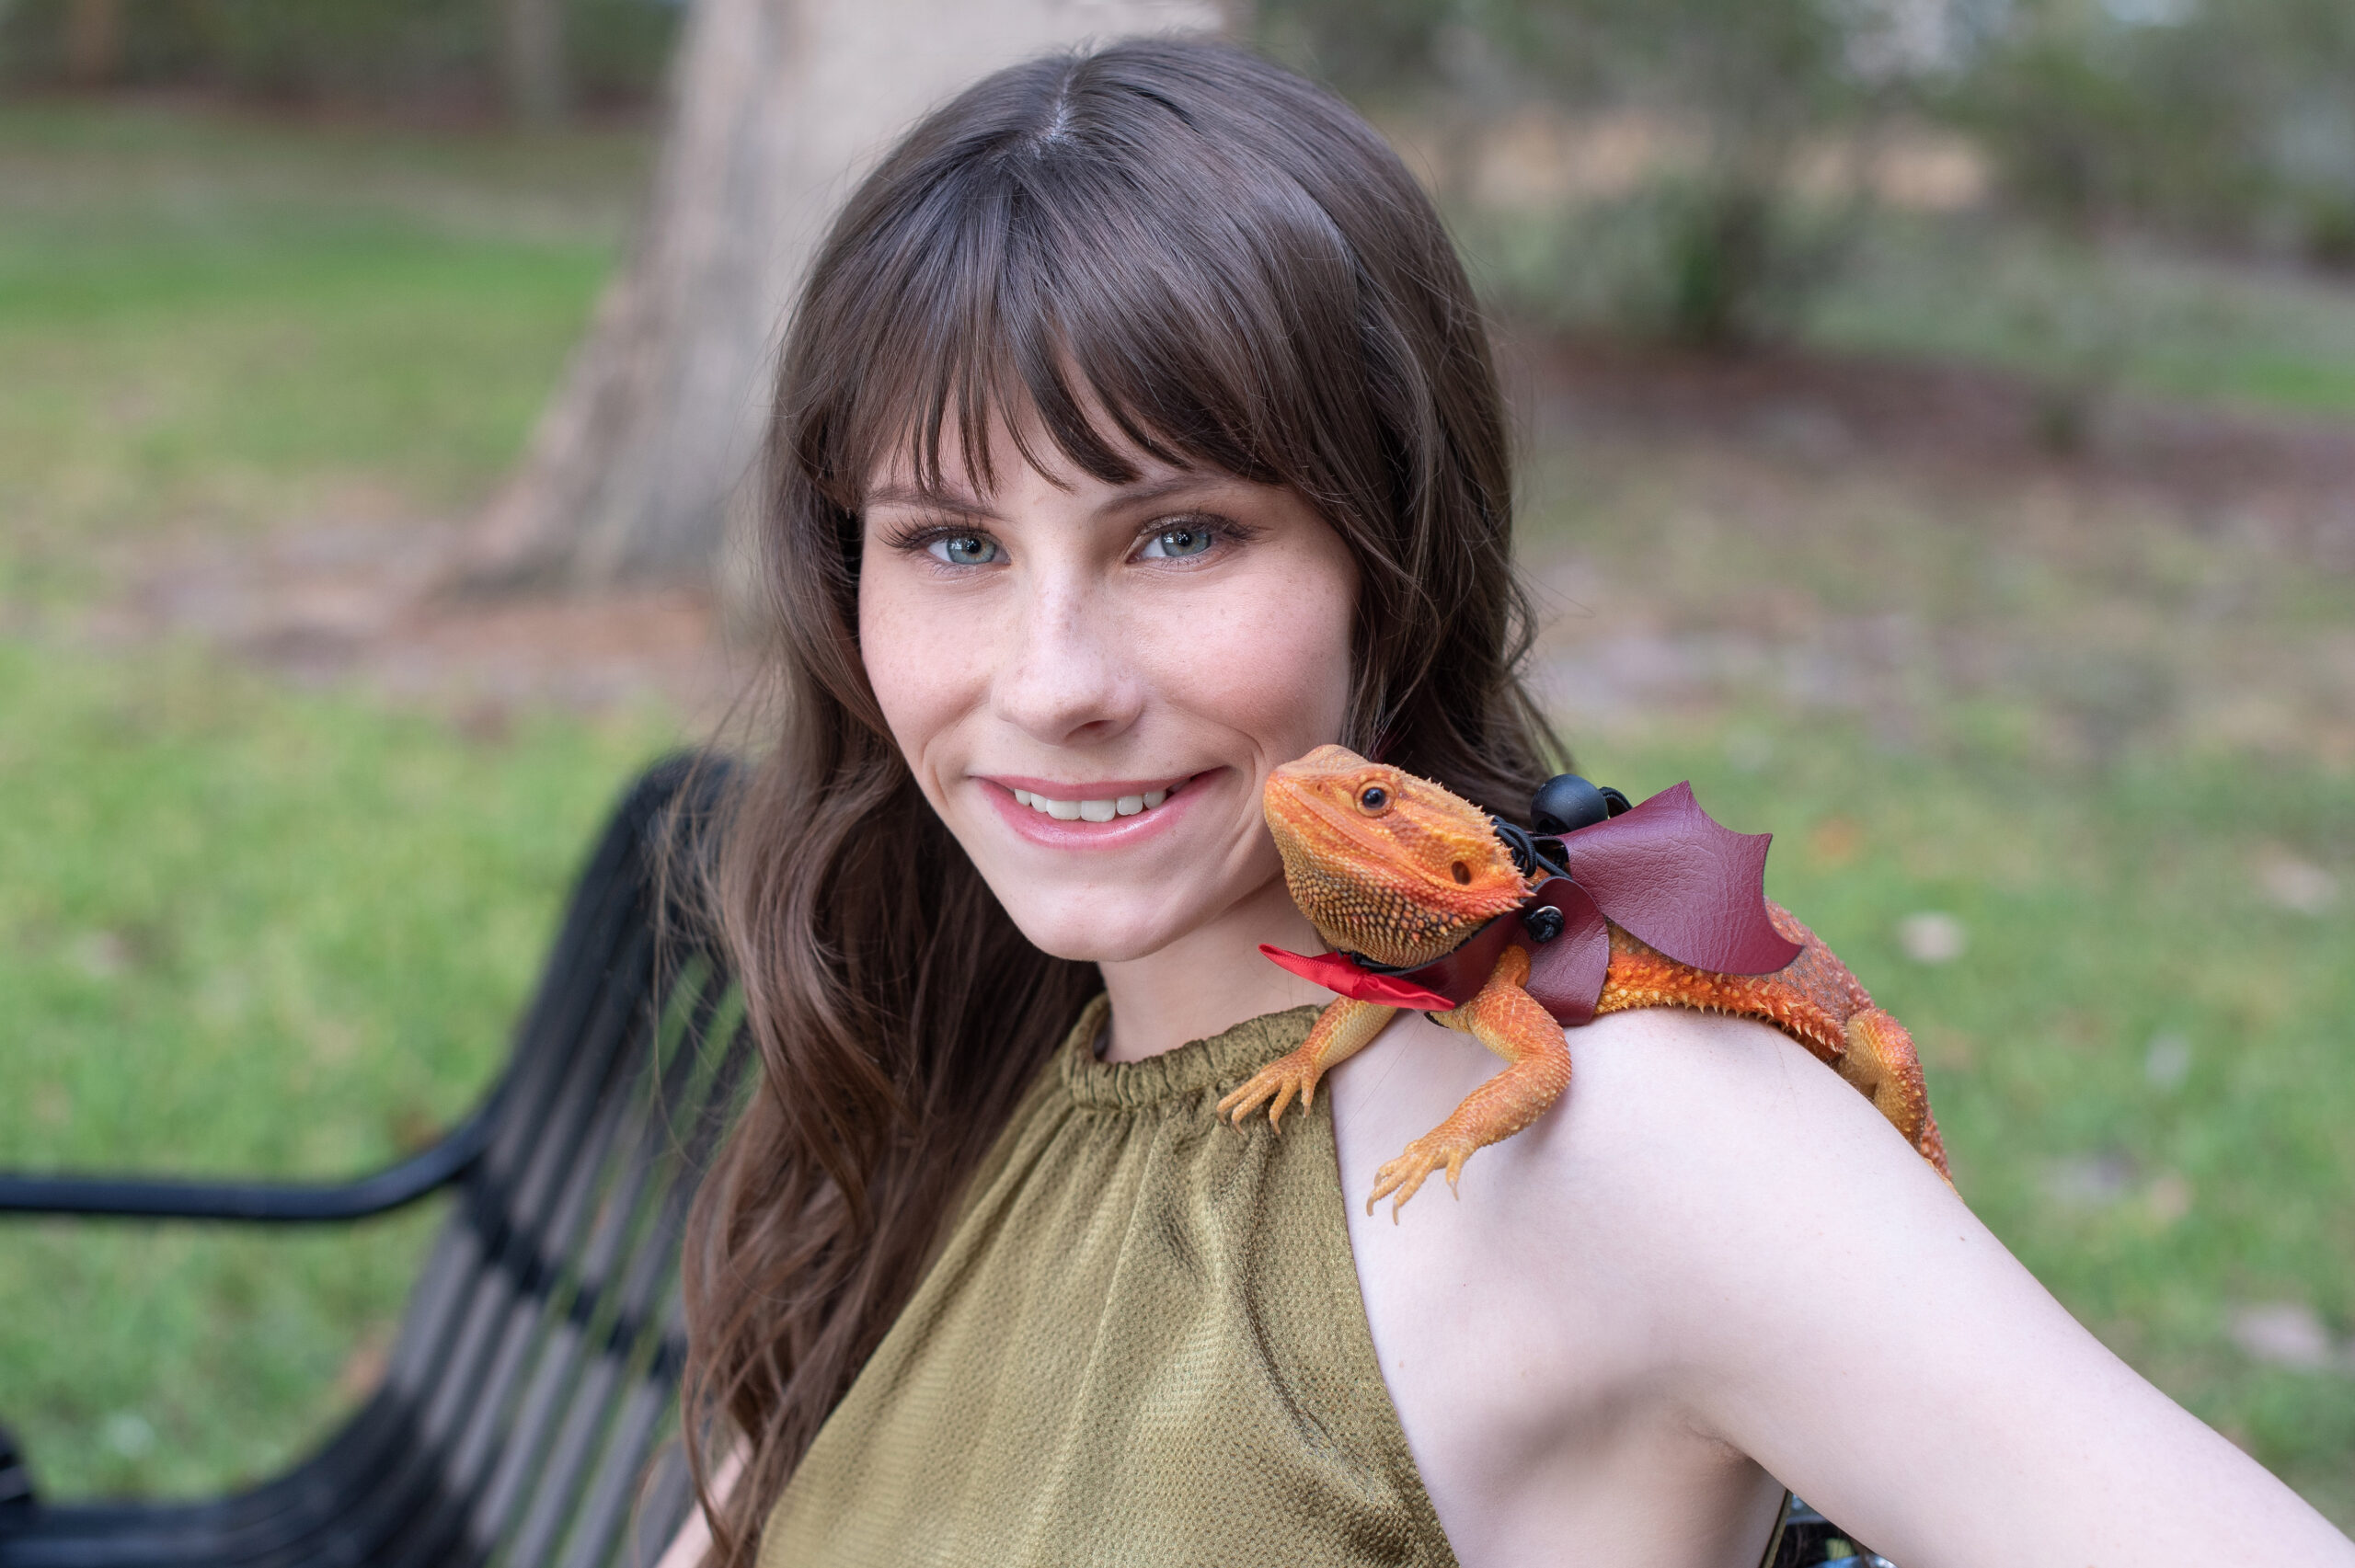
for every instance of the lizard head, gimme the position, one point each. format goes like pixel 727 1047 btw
pixel 1382 862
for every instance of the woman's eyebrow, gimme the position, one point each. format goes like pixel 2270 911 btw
pixel 1143 492
pixel 926 496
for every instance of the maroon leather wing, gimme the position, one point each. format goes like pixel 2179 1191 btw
pixel 1566 975
pixel 1671 875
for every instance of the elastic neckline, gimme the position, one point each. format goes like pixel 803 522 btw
pixel 1220 1062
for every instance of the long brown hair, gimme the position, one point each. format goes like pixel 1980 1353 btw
pixel 1170 246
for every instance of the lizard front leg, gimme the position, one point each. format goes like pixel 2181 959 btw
pixel 1346 1027
pixel 1510 1022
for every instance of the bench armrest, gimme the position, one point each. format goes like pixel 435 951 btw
pixel 273 1203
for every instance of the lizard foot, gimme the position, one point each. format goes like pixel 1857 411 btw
pixel 1294 1074
pixel 1426 1154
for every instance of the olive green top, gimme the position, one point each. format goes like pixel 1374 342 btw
pixel 1142 1342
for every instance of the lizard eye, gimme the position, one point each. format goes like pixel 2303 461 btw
pixel 1373 800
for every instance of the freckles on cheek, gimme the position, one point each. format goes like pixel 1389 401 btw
pixel 922 668
pixel 1276 663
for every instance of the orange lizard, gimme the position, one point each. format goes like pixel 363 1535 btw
pixel 1414 886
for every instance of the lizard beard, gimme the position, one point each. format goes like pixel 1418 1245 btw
pixel 1384 924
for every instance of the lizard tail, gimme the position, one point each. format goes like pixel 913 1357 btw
pixel 1814 1000
pixel 1880 1062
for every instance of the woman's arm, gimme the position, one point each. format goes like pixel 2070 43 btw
pixel 1836 1312
pixel 687 1548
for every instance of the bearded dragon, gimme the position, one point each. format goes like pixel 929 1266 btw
pixel 1410 883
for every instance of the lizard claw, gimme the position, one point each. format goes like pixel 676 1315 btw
pixel 1289 1076
pixel 1407 1173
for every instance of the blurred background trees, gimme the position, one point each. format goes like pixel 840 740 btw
pixel 1698 169
pixel 2228 122
pixel 1695 172
pixel 2225 121
pixel 533 59
pixel 1684 169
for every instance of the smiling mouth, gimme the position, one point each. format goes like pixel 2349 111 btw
pixel 1093 811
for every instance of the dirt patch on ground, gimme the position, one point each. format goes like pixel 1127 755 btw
pixel 1954 426
pixel 1778 539
pixel 363 602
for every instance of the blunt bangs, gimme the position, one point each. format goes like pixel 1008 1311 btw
pixel 1068 272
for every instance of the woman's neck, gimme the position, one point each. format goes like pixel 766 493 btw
pixel 1210 978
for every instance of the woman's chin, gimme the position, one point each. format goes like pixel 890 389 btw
pixel 1098 938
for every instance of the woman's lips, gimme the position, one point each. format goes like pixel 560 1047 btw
pixel 1101 812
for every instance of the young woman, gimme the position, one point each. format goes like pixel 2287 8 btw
pixel 1137 433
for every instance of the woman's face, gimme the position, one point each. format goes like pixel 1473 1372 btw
pixel 1091 682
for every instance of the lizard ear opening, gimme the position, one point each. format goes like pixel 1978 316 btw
pixel 1462 873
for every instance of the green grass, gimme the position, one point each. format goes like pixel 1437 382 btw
pixel 225 325
pixel 2091 729
pixel 205 359
pixel 245 928
pixel 2101 919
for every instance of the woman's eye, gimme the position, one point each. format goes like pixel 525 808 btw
pixel 1170 544
pixel 964 550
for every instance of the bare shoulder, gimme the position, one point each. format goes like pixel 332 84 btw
pixel 1711 1222
pixel 1729 1137
pixel 1700 1140
pixel 1518 1320
pixel 1698 1170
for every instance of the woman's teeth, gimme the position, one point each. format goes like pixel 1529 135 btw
pixel 1091 810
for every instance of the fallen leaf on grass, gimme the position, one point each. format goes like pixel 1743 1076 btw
pixel 364 1368
pixel 2167 1198
pixel 2089 1181
pixel 1951 1050
pixel 2299 885
pixel 1834 842
pixel 2285 1334
pixel 2167 1062
pixel 1932 937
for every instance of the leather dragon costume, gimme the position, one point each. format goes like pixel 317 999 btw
pixel 1511 935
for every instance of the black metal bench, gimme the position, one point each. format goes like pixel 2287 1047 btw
pixel 1805 1538
pixel 524 1414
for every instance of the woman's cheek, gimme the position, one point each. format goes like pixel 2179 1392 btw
pixel 920 662
pixel 1300 645
pixel 1270 657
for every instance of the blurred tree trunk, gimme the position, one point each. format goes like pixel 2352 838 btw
pixel 778 107
pixel 93 42
pixel 531 59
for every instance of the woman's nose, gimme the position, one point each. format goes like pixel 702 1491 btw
pixel 1065 678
